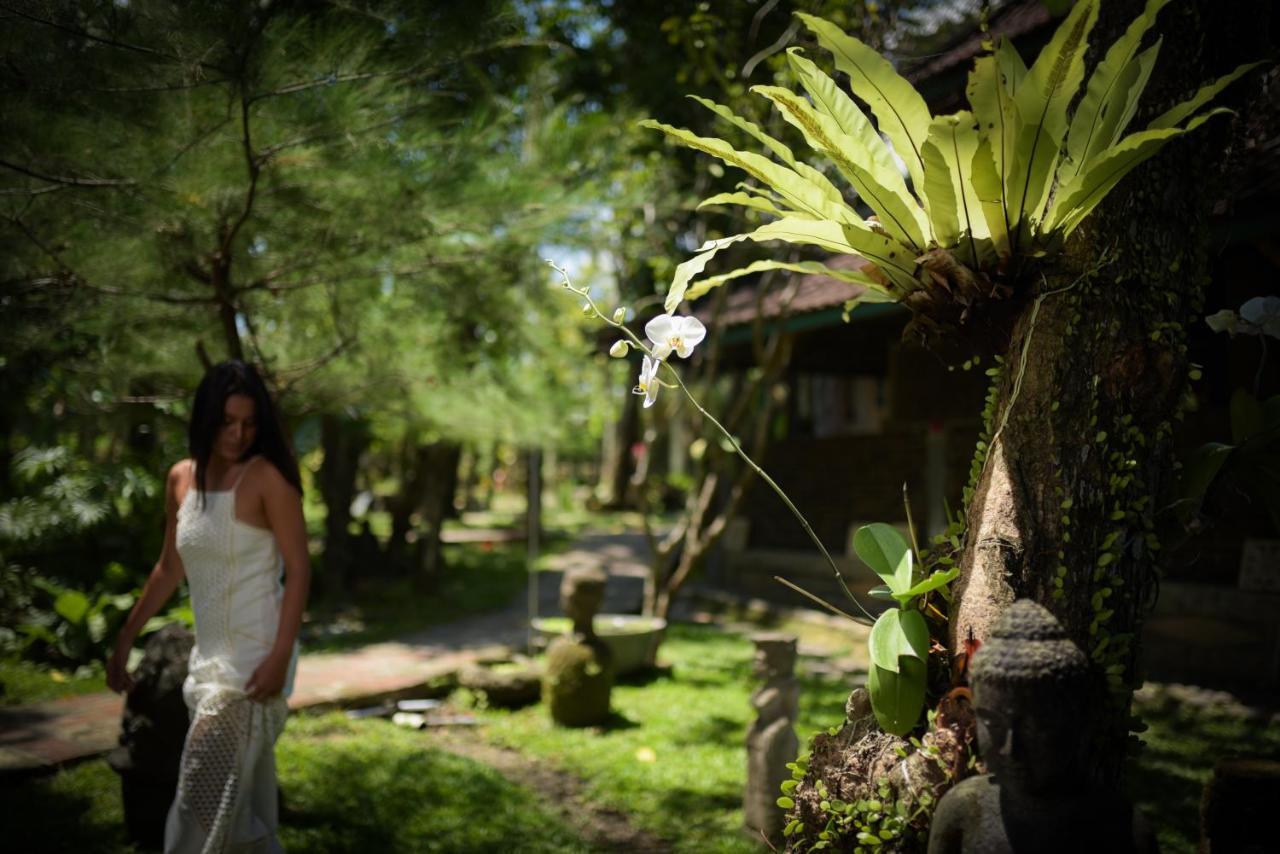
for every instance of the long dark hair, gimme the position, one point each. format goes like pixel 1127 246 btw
pixel 220 382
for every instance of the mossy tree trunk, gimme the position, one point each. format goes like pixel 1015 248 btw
pixel 1077 459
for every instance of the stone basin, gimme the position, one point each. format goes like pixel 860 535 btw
pixel 628 636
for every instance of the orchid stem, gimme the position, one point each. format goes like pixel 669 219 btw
pixel 795 511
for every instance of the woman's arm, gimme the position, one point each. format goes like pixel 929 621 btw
pixel 283 505
pixel 164 579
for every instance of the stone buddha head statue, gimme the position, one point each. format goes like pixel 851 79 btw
pixel 581 595
pixel 1030 688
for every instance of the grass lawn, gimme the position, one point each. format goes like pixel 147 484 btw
pixel 673 756
pixel 671 760
pixel 350 786
pixel 1182 745
pixel 27 682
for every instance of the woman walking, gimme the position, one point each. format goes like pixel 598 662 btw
pixel 233 527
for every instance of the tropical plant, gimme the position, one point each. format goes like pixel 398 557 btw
pixel 899 640
pixel 976 191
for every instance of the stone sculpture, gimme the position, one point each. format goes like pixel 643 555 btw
pixel 1030 688
pixel 579 675
pixel 771 739
pixel 152 733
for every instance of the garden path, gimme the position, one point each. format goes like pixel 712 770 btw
pixel 48 734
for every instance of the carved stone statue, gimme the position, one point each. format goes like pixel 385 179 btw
pixel 771 739
pixel 152 732
pixel 1030 688
pixel 579 675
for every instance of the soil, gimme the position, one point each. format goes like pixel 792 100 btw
pixel 604 829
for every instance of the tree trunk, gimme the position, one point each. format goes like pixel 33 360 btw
pixel 440 464
pixel 343 441
pixel 1077 438
pixel 616 467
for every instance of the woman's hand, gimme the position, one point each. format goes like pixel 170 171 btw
pixel 118 678
pixel 268 680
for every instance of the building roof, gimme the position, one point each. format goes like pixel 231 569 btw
pixel 807 293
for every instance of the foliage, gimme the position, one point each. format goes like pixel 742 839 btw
pixel 899 641
pixel 872 822
pixel 1008 181
pixel 1251 460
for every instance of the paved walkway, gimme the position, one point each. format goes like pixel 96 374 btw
pixel 47 734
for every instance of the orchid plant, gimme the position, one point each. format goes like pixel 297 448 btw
pixel 667 334
pixel 899 640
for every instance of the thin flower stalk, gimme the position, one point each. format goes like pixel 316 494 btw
pixel 737 447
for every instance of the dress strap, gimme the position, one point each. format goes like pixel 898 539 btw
pixel 248 463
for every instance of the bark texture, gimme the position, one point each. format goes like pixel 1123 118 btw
pixel 1077 442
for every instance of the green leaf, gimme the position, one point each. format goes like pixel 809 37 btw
pixel 954 208
pixel 989 187
pixel 778 148
pixel 800 192
pixel 886 551
pixel 939 578
pixel 72 606
pixel 1076 199
pixel 1203 95
pixel 896 208
pixel 897 698
pixel 1246 416
pixel 1042 100
pixel 875 290
pixel 748 200
pixel 881 591
pixel 786 803
pixel 891 257
pixel 831 101
pixel 898 634
pixel 992 87
pixel 1201 469
pixel 900 111
pixel 1114 86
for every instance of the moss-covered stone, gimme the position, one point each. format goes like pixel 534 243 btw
pixel 578 681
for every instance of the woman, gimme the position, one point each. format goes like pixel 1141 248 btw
pixel 233 521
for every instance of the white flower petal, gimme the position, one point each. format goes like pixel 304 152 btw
pixel 660 329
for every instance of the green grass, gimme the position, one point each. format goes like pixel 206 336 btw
pixel 672 758
pixel 349 786
pixel 24 682
pixel 1182 745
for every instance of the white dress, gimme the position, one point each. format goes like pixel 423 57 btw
pixel 227 797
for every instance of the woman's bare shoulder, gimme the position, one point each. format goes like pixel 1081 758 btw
pixel 179 479
pixel 266 477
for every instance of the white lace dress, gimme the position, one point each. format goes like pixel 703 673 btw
pixel 227 798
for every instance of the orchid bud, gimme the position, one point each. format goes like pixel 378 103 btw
pixel 620 314
pixel 587 310
pixel 619 349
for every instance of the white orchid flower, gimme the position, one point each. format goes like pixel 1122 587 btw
pixel 648 383
pixel 669 333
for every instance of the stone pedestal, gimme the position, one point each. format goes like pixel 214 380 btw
pixel 771 739
pixel 579 676
pixel 152 733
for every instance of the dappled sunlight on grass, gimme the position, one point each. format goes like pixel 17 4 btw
pixel 1181 747
pixel 372 786
pixel 348 786
pixel 680 770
